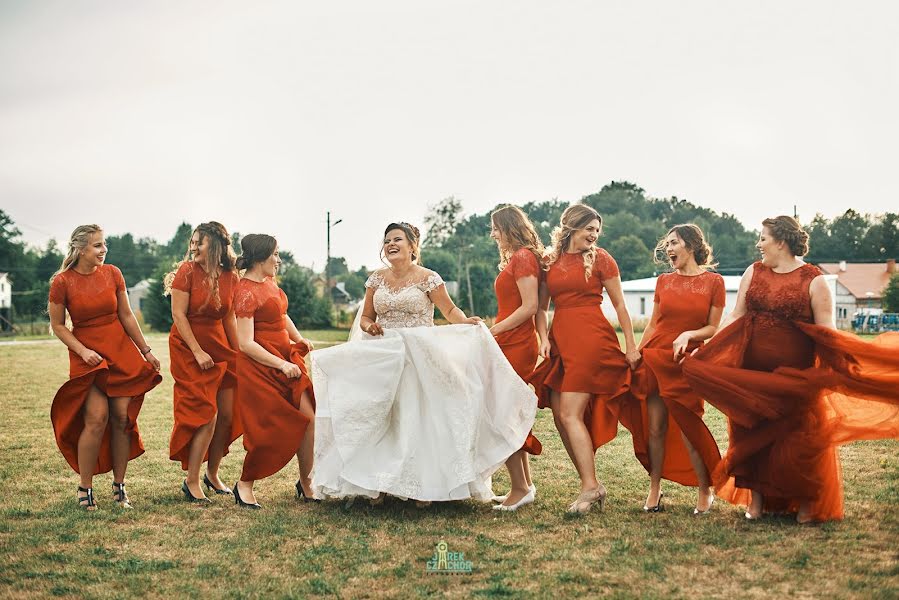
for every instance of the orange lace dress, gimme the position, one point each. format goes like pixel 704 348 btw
pixel 792 392
pixel 268 402
pixel 585 355
pixel 92 303
pixel 683 303
pixel 195 397
pixel 519 345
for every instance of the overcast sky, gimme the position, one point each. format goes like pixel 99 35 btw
pixel 263 115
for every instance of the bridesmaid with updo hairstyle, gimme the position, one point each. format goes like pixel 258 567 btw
pixel 669 436
pixel 203 349
pixel 274 393
pixel 111 367
pixel 792 386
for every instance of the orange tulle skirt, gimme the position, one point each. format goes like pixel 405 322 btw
pixel 269 406
pixel 123 373
pixel 195 400
pixel 793 392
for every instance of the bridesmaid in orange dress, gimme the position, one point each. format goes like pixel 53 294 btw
pixel 669 435
pixel 111 367
pixel 517 289
pixel 274 393
pixel 202 346
pixel 584 370
pixel 791 385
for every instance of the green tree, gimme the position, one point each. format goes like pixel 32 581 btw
pixel 158 307
pixel 891 294
pixel 305 307
pixel 633 257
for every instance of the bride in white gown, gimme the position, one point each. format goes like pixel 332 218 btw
pixel 409 409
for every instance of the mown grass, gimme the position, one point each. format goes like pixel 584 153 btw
pixel 165 547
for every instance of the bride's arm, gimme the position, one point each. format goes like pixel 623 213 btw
pixel 367 322
pixel 448 308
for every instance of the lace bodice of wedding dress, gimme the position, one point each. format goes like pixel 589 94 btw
pixel 408 306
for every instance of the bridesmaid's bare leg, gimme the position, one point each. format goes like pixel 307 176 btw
pixel 572 406
pixel 96 415
pixel 307 449
pixel 219 442
pixel 755 508
pixel 657 414
pixel 198 446
pixel 515 465
pixel 120 437
pixel 704 501
pixel 526 465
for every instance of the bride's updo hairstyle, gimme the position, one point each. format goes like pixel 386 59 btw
pixel 786 229
pixel 412 234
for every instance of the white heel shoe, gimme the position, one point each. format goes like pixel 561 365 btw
pixel 501 499
pixel 528 499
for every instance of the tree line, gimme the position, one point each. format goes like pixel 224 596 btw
pixel 458 247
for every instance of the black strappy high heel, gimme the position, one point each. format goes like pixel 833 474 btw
pixel 658 507
pixel 91 503
pixel 239 501
pixel 120 495
pixel 220 492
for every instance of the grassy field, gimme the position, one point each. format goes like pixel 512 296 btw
pixel 165 547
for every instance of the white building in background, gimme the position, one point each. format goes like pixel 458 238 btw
pixel 138 293
pixel 5 291
pixel 639 296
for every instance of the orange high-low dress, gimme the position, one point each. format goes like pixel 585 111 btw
pixel 196 390
pixel 269 402
pixel 793 391
pixel 585 355
pixel 92 302
pixel 519 345
pixel 683 303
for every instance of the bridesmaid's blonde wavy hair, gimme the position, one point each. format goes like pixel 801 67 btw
pixel 575 218
pixel 78 241
pixel 517 231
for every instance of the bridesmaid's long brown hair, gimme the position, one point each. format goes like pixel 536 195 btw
pixel 518 231
pixel 219 259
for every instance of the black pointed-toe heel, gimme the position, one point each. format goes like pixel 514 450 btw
pixel 301 494
pixel 190 497
pixel 658 507
pixel 239 501
pixel 220 492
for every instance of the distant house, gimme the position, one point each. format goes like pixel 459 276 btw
pixel 5 302
pixel 138 293
pixel 859 287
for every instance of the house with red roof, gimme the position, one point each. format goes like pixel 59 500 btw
pixel 859 287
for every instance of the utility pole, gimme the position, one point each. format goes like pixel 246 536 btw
pixel 328 256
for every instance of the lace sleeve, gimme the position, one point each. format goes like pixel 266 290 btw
pixel 118 278
pixel 524 264
pixel 433 282
pixel 605 264
pixel 244 303
pixel 719 295
pixel 58 290
pixel 182 277
pixel 374 280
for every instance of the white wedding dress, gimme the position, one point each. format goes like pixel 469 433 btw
pixel 422 412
